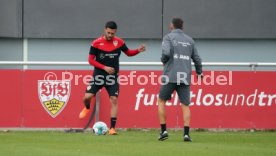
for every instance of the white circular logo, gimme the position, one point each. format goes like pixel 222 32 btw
pixel 50 76
pixel 88 87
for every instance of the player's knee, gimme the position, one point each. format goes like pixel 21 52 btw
pixel 185 106
pixel 161 101
pixel 113 99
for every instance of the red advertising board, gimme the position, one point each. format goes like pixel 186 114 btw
pixel 53 99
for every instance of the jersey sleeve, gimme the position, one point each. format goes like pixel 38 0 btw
pixel 124 48
pixel 93 50
pixel 166 49
pixel 197 60
pixel 129 52
pixel 93 62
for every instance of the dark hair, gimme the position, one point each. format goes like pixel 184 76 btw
pixel 177 23
pixel 111 25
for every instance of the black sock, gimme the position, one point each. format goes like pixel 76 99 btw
pixel 186 130
pixel 163 127
pixel 113 122
pixel 87 104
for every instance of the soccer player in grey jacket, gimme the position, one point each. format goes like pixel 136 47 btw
pixel 178 49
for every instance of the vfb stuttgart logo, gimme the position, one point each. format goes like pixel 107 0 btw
pixel 53 94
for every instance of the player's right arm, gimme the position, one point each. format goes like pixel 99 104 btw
pixel 166 49
pixel 93 62
pixel 92 57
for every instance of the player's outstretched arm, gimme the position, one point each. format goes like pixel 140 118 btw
pixel 130 52
pixel 142 48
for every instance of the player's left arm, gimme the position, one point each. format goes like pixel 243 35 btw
pixel 133 52
pixel 197 61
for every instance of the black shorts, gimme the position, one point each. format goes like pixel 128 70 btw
pixel 183 92
pixel 111 85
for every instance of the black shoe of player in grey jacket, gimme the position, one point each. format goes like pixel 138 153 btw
pixel 163 136
pixel 187 138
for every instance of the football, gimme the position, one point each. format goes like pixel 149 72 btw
pixel 100 128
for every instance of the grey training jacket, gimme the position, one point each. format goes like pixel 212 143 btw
pixel 178 49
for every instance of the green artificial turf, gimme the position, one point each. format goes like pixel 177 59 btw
pixel 136 143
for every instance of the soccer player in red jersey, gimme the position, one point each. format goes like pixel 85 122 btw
pixel 104 56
